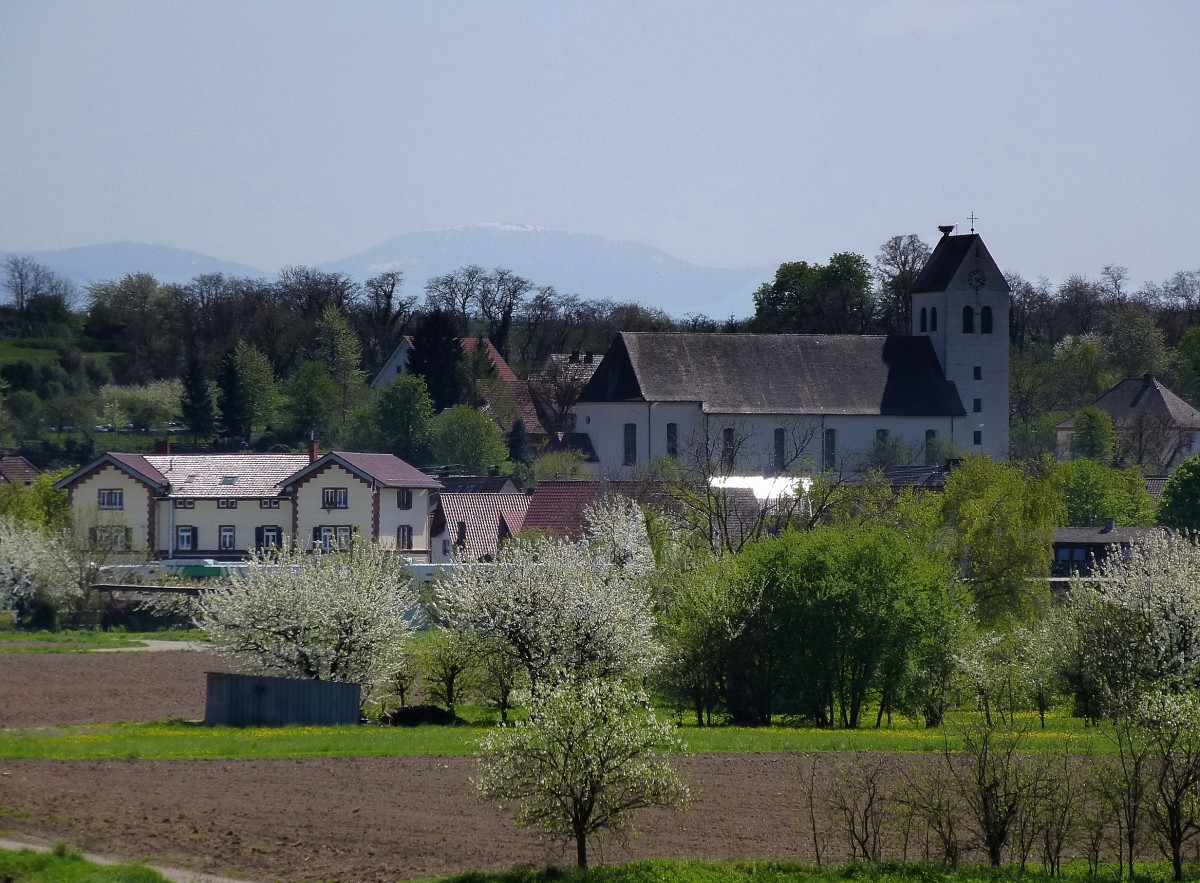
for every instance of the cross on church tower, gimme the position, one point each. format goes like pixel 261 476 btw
pixel 972 219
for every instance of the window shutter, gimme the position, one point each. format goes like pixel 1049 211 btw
pixel 258 537
pixel 195 538
pixel 316 536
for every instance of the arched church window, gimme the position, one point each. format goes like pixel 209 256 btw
pixel 933 318
pixel 985 320
pixel 968 320
pixel 924 320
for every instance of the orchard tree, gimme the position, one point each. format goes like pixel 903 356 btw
pixel 330 616
pixel 562 609
pixel 590 756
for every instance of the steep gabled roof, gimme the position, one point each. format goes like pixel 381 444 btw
pixel 17 470
pixel 134 465
pixel 777 374
pixel 947 257
pixel 481 516
pixel 386 470
pixel 1139 397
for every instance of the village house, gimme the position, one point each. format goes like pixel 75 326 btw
pixel 15 469
pixel 767 404
pixel 1153 427
pixel 220 505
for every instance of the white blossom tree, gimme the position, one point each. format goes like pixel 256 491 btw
pixel 557 609
pixel 36 562
pixel 590 756
pixel 563 609
pixel 336 616
pixel 1137 630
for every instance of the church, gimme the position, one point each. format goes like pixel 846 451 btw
pixel 776 404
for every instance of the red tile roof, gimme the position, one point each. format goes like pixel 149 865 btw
pixel 140 465
pixel 480 514
pixel 17 470
pixel 557 506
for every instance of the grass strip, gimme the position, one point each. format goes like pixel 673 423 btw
pixel 64 866
pixel 17 641
pixel 180 740
pixel 765 871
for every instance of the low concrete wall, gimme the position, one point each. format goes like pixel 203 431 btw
pixel 260 701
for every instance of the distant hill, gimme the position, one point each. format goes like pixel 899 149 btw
pixel 590 266
pixel 112 260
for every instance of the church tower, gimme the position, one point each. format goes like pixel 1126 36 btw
pixel 960 301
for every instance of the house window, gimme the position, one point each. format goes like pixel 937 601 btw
pixel 268 504
pixel 978 437
pixel 780 450
pixel 985 320
pixel 111 498
pixel 630 444
pixel 326 537
pixel 404 537
pixel 830 448
pixel 185 504
pixel 930 446
pixel 112 539
pixel 672 439
pixel 344 535
pixel 227 537
pixel 226 504
pixel 185 538
pixel 968 320
pixel 269 537
pixel 334 498
pixel 924 319
pixel 978 372
pixel 728 448
pixel 404 498
pixel 933 318
pixel 977 406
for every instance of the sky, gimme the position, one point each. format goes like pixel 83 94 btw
pixel 725 133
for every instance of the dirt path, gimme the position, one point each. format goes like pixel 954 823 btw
pixel 177 875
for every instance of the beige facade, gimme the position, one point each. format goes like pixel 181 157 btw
pixel 113 508
pixel 220 527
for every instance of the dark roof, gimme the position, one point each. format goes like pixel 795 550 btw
pixel 1081 536
pixel 1143 397
pixel 947 257
pixel 477 484
pixel 1155 485
pixel 927 477
pixel 557 506
pixel 386 469
pixel 17 470
pixel 574 441
pixel 777 374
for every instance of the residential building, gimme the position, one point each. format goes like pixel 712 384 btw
pixel 472 526
pixel 768 404
pixel 220 505
pixel 15 469
pixel 1152 427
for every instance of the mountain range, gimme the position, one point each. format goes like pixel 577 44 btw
pixel 589 266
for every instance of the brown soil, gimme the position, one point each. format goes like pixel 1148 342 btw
pixel 346 819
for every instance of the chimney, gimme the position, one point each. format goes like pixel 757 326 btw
pixel 587 359
pixel 314 451
pixel 1109 525
pixel 1147 379
pixel 574 357
pixel 162 446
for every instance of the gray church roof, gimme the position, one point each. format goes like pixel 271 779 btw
pixel 777 374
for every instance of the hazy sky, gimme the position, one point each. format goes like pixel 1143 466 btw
pixel 724 133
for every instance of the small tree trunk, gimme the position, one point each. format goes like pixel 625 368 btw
pixel 581 849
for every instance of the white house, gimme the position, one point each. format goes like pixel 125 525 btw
pixel 768 404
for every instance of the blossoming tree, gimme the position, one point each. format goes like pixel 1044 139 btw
pixel 337 616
